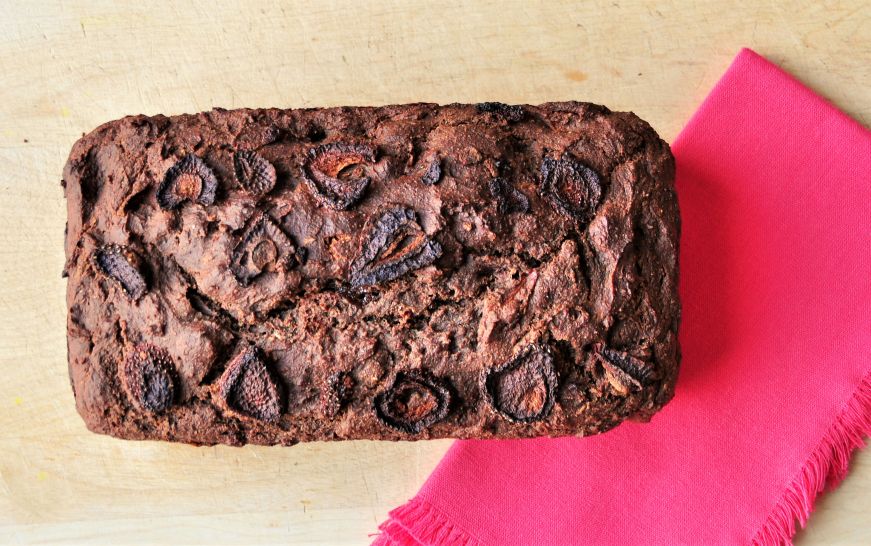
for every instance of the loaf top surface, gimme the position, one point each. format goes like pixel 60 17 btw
pixel 353 253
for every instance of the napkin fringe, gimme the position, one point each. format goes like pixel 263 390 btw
pixel 417 522
pixel 825 467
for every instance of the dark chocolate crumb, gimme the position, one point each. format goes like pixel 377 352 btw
pixel 511 112
pixel 433 173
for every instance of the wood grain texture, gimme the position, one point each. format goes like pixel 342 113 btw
pixel 67 66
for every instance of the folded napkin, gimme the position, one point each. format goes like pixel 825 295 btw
pixel 774 393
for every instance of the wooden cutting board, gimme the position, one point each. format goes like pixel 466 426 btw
pixel 66 67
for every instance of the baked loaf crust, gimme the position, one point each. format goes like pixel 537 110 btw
pixel 397 273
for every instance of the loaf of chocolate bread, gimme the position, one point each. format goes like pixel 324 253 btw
pixel 397 273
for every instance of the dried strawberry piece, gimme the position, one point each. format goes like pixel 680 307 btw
pixel 188 180
pixel 337 392
pixel 523 388
pixel 572 186
pixel 433 173
pixel 254 173
pixel 263 246
pixel 248 388
pixel 415 401
pixel 123 266
pixel 510 112
pixel 336 173
pixel 508 198
pixel 147 376
pixel 395 246
pixel 624 372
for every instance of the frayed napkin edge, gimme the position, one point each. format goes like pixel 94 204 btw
pixel 826 467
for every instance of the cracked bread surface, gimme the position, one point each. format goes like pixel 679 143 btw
pixel 399 272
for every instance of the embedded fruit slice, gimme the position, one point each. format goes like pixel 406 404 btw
pixel 254 173
pixel 336 173
pixel 147 376
pixel 337 392
pixel 523 388
pixel 415 401
pixel 573 187
pixel 395 246
pixel 248 388
pixel 263 246
pixel 624 372
pixel 123 266
pixel 188 180
pixel 508 198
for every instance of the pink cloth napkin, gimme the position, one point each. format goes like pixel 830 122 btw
pixel 775 388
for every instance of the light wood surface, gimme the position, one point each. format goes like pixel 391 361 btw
pixel 65 67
